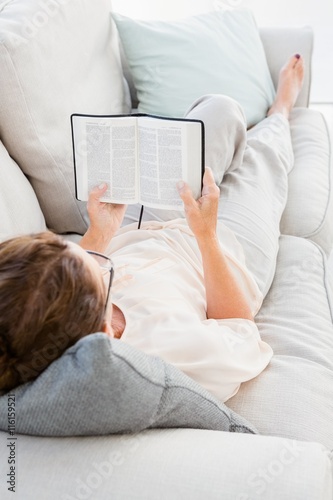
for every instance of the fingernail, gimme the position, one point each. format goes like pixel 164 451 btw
pixel 102 186
pixel 180 185
pixel 297 56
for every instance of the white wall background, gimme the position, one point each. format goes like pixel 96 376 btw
pixel 316 13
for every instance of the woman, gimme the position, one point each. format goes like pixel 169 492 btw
pixel 183 288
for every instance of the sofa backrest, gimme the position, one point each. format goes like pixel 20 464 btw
pixel 56 58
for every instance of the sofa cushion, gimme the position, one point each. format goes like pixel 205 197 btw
pixel 174 63
pixel 168 464
pixel 103 386
pixel 310 200
pixel 56 58
pixel 293 397
pixel 19 208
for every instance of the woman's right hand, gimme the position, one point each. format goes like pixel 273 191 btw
pixel 105 220
pixel 201 214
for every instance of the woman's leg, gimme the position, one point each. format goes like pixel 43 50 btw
pixel 252 169
pixel 254 193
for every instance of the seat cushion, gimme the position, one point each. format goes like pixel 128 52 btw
pixel 56 58
pixel 19 207
pixel 310 201
pixel 293 397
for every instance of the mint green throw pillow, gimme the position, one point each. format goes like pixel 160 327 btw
pixel 174 63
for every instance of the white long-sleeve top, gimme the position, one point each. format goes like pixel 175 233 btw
pixel 159 287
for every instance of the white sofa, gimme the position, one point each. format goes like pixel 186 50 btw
pixel 290 403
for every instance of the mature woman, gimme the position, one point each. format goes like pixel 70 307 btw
pixel 186 289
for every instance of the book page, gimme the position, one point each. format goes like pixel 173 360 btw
pixel 164 156
pixel 105 151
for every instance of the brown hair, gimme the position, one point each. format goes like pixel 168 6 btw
pixel 49 299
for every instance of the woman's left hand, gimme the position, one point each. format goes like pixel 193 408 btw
pixel 105 220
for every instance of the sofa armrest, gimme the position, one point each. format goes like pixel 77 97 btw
pixel 281 43
pixel 171 463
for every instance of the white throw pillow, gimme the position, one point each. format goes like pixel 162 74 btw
pixel 56 58
pixel 174 63
pixel 19 208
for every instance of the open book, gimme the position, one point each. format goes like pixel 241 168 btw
pixel 140 157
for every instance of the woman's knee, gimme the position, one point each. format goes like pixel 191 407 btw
pixel 225 132
pixel 218 106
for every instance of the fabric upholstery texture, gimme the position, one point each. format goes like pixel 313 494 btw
pixel 19 208
pixel 170 464
pixel 310 201
pixel 293 397
pixel 42 83
pixel 174 63
pixel 102 386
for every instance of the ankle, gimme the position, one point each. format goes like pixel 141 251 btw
pixel 279 109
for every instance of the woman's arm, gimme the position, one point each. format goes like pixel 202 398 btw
pixel 225 298
pixel 105 220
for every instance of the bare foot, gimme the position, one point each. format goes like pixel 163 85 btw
pixel 289 86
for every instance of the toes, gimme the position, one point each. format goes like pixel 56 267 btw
pixel 297 60
pixel 299 65
pixel 290 64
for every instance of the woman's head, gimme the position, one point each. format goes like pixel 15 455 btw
pixel 50 297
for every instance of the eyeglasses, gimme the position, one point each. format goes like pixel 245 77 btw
pixel 106 264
